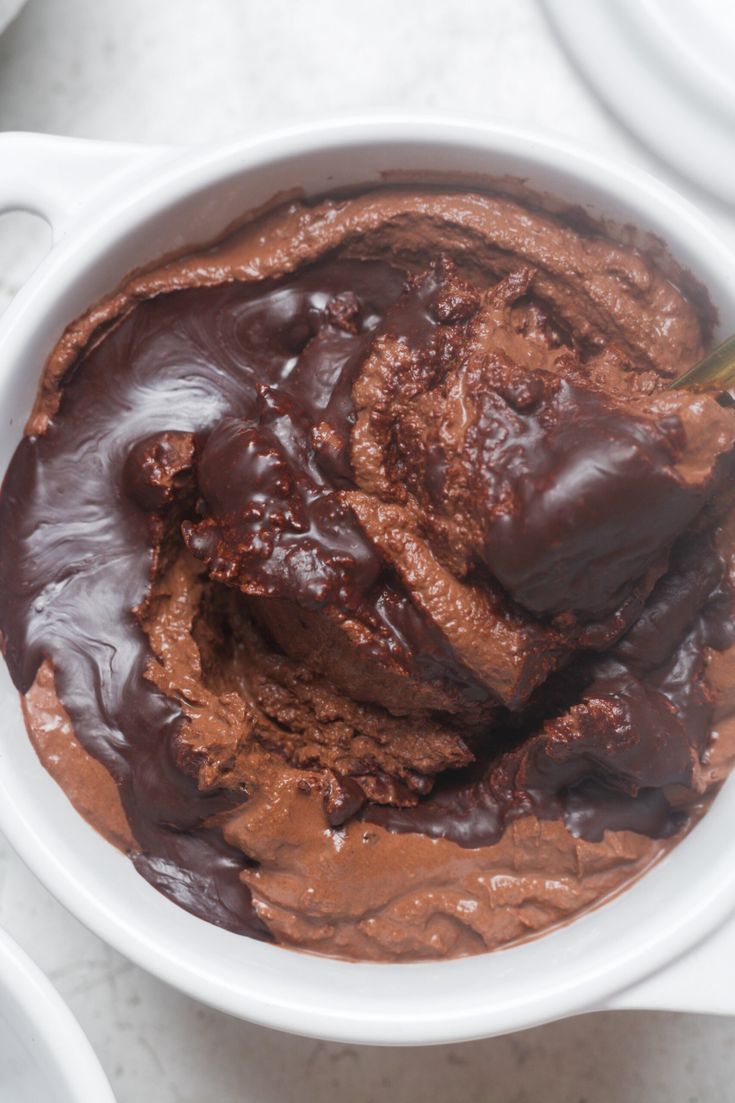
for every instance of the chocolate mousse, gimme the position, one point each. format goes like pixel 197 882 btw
pixel 367 583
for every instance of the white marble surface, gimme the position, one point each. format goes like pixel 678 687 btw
pixel 199 70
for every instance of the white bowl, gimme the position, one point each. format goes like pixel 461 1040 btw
pixel 8 11
pixel 43 1053
pixel 113 209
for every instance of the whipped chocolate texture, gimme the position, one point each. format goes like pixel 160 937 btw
pixel 364 581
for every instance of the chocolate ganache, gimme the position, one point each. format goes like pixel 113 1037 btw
pixel 369 554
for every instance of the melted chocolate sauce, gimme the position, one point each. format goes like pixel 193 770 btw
pixel 593 500
pixel 75 554
pixel 642 722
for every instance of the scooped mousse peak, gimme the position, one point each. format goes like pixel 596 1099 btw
pixel 366 582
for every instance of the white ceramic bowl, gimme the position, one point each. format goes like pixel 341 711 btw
pixel 43 1053
pixel 8 11
pixel 112 209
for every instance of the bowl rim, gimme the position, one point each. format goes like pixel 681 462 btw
pixel 114 214
pixel 35 999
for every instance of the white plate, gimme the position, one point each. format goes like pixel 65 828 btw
pixel 665 67
pixel 44 1056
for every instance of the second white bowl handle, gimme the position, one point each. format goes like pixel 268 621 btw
pixel 701 981
pixel 54 177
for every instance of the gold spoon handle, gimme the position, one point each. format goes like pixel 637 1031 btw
pixel 715 372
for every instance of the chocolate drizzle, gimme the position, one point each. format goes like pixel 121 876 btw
pixel 76 556
pixel 641 722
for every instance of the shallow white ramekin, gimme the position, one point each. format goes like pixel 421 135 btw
pixel 114 208
pixel 43 1053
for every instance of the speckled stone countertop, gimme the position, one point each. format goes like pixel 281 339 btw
pixel 178 71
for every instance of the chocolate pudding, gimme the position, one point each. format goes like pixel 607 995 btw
pixel 365 581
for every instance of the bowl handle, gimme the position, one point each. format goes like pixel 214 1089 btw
pixel 55 177
pixel 702 980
